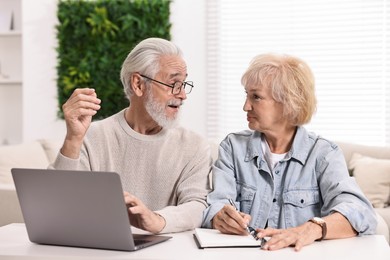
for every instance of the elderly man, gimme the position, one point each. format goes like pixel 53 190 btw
pixel 164 168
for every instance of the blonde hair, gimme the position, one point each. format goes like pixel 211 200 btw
pixel 291 82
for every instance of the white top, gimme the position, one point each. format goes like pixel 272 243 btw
pixel 271 158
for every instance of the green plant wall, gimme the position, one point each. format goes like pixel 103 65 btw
pixel 94 38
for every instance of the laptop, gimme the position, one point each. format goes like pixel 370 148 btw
pixel 78 209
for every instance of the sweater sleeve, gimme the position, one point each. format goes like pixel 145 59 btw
pixel 192 192
pixel 64 163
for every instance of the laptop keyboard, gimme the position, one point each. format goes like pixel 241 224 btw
pixel 138 242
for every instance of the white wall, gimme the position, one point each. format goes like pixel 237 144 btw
pixel 39 71
pixel 39 66
pixel 10 72
pixel 189 32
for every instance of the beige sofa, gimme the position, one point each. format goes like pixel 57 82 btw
pixel 370 165
pixel 36 154
pixel 371 169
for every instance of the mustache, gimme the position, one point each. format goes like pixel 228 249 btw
pixel 175 102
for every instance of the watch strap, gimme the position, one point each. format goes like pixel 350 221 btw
pixel 322 224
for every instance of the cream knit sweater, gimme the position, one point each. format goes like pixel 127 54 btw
pixel 167 171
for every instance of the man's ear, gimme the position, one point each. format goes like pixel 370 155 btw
pixel 137 85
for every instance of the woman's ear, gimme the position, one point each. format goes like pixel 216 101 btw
pixel 137 84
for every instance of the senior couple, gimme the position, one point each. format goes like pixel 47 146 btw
pixel 290 184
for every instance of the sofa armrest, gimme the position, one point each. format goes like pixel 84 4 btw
pixel 382 228
pixel 10 211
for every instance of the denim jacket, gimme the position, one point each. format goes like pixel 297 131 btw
pixel 312 181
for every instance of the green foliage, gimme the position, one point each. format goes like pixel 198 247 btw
pixel 94 38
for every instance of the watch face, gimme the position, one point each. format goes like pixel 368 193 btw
pixel 318 220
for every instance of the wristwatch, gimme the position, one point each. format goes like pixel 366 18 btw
pixel 322 224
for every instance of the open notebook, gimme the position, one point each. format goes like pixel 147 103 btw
pixel 209 238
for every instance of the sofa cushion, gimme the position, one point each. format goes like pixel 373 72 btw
pixel 9 205
pixel 51 147
pixel 26 155
pixel 373 177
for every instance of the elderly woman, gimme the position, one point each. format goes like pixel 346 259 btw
pixel 289 184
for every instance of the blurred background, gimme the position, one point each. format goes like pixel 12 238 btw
pixel 346 43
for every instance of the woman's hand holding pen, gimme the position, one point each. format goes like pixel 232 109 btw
pixel 230 221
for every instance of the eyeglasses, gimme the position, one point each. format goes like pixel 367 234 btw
pixel 176 86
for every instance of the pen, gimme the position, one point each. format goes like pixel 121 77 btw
pixel 249 229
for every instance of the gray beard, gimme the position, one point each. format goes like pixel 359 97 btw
pixel 157 112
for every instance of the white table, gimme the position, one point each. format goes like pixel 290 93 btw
pixel 14 244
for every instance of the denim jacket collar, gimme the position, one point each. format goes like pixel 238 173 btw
pixel 301 145
pixel 301 140
pixel 254 147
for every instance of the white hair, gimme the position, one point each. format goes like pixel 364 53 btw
pixel 145 59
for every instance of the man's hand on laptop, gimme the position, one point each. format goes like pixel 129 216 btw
pixel 142 217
